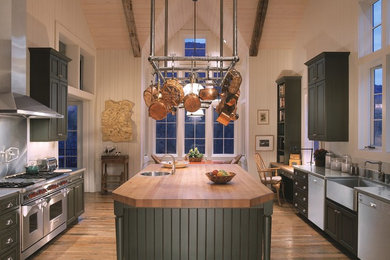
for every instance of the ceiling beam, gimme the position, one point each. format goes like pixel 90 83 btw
pixel 130 21
pixel 261 12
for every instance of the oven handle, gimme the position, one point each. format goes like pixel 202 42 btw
pixel 27 208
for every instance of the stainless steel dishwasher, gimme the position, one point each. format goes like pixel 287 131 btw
pixel 373 228
pixel 316 207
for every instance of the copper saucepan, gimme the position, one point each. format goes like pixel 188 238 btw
pixel 192 102
pixel 208 94
pixel 232 81
pixel 150 95
pixel 158 110
pixel 172 92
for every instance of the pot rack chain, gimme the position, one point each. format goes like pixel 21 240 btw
pixel 155 60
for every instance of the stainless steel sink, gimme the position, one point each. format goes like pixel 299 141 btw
pixel 341 190
pixel 155 173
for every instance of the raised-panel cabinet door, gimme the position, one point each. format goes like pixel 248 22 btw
pixel 312 112
pixel 321 111
pixel 71 203
pixel 320 69
pixel 312 70
pixel 63 110
pixel 331 219
pixel 63 70
pixel 54 87
pixel 348 230
pixel 79 203
pixel 54 67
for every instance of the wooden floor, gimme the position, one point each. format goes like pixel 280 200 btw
pixel 94 236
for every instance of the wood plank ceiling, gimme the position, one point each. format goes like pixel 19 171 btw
pixel 107 21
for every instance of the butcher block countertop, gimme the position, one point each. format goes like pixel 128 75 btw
pixel 190 188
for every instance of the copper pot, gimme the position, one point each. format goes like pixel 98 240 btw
pixel 232 81
pixel 172 92
pixel 192 102
pixel 232 99
pixel 208 94
pixel 150 95
pixel 158 110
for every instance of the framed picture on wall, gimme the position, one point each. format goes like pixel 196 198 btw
pixel 262 116
pixel 264 142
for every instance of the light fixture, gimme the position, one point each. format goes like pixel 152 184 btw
pixel 192 87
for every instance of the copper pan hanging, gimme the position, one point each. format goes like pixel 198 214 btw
pixel 232 81
pixel 172 93
pixel 158 110
pixel 208 94
pixel 150 95
pixel 192 102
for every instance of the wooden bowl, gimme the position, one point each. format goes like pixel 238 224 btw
pixel 195 159
pixel 220 179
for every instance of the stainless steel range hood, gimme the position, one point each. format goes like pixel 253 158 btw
pixel 13 104
pixel 13 101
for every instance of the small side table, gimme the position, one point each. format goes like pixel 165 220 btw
pixel 114 159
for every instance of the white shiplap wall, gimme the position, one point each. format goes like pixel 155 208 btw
pixel 263 71
pixel 118 77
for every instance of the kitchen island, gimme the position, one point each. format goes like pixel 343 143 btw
pixel 186 216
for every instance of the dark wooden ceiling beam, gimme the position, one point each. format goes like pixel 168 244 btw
pixel 261 12
pixel 130 21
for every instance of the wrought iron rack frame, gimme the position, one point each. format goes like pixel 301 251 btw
pixel 215 81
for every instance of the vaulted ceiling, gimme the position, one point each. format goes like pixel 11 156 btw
pixel 107 21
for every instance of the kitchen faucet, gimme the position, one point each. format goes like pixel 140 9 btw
pixel 173 163
pixel 381 175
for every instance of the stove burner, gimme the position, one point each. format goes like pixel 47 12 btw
pixel 15 184
pixel 40 175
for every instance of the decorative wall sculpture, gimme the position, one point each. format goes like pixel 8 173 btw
pixel 116 121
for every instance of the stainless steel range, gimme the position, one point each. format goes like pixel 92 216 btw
pixel 43 197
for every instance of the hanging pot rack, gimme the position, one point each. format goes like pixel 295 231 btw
pixel 160 69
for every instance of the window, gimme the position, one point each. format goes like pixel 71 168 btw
pixel 194 133
pixel 62 48
pixel 166 135
pixel 192 48
pixel 67 150
pixel 223 137
pixel 377 25
pixel 376 108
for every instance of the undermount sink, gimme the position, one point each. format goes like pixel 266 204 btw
pixel 155 173
pixel 341 190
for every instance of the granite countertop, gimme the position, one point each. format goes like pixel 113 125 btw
pixel 381 193
pixel 73 170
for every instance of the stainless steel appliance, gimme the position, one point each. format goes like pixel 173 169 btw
pixel 43 208
pixel 47 164
pixel 316 203
pixel 373 228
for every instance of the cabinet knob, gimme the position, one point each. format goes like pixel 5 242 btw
pixel 9 241
pixel 372 205
pixel 59 134
pixel 314 134
pixel 296 183
pixel 10 205
pixel 296 205
pixel 304 187
pixel 296 193
pixel 9 222
pixel 314 180
pixel 304 210
pixel 304 199
pixel 10 258
pixel 336 211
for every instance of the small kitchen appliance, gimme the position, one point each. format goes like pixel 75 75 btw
pixel 48 164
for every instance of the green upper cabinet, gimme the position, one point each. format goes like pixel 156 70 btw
pixel 49 85
pixel 328 96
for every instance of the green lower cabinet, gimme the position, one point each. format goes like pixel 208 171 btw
pixel 75 201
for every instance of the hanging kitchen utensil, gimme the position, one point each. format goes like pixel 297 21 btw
pixel 150 95
pixel 172 93
pixel 158 110
pixel 232 81
pixel 232 98
pixel 208 94
pixel 192 102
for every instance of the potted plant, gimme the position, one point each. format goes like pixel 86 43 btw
pixel 194 155
pixel 319 157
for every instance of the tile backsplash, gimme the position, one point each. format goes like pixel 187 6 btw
pixel 13 133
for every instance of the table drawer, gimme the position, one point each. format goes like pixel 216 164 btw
pixel 301 207
pixel 301 184
pixel 9 220
pixel 8 240
pixel 12 254
pixel 9 202
pixel 300 195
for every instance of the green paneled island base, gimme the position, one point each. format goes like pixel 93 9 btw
pixel 186 216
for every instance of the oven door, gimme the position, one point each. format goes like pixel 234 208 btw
pixel 32 223
pixel 54 213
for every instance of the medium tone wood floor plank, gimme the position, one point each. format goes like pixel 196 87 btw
pixel 94 236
